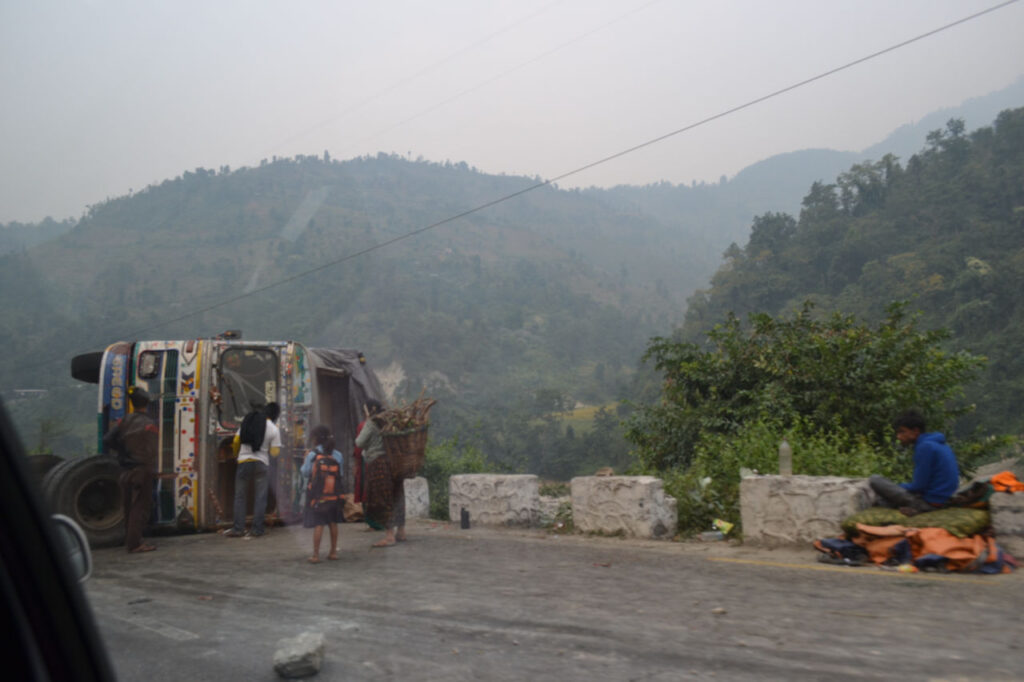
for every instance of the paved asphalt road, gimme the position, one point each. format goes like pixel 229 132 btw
pixel 498 604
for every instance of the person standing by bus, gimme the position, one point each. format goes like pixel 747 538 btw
pixel 136 442
pixel 323 468
pixel 258 440
pixel 384 494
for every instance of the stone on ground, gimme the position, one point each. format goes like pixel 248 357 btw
pixel 299 656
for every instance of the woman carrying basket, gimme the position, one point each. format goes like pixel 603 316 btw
pixel 383 493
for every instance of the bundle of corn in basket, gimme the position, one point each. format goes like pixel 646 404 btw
pixel 404 429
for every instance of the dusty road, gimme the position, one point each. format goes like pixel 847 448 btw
pixel 492 604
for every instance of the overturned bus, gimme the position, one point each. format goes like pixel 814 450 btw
pixel 202 389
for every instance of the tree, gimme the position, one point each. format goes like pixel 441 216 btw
pixel 770 232
pixel 836 375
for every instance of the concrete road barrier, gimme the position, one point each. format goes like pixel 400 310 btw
pixel 786 510
pixel 417 498
pixel 495 499
pixel 1008 521
pixel 630 505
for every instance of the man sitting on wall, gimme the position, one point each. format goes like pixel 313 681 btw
pixel 936 473
pixel 258 440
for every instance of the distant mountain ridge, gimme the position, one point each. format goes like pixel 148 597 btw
pixel 976 112
pixel 779 182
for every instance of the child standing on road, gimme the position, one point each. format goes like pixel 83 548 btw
pixel 324 504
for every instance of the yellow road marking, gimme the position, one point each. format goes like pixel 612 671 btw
pixel 862 571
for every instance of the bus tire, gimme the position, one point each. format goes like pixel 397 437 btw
pixel 89 492
pixel 52 475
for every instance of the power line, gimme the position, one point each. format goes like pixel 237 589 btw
pixel 575 171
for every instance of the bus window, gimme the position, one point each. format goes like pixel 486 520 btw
pixel 247 379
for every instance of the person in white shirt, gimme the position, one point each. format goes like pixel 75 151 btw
pixel 255 448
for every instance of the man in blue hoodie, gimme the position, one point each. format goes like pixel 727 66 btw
pixel 936 473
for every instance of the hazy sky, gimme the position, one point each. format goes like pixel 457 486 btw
pixel 102 96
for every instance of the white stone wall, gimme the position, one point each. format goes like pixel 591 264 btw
pixel 417 498
pixel 1007 511
pixel 495 499
pixel 633 505
pixel 785 510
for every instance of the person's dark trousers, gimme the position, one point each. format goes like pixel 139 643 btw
pixel 893 495
pixel 137 501
pixel 398 504
pixel 257 471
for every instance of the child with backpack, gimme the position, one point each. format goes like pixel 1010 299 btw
pixel 324 503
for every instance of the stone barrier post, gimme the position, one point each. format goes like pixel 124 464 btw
pixel 495 499
pixel 417 498
pixel 630 505
pixel 789 510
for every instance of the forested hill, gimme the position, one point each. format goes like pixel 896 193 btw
pixel 513 313
pixel 945 231
pixel 508 315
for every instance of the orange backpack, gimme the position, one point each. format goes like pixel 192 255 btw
pixel 324 489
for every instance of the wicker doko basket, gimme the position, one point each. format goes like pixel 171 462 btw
pixel 406 450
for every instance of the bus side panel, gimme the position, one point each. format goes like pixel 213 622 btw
pixel 188 486
pixel 297 390
pixel 113 387
pixel 210 511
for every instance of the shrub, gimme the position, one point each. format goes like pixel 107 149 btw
pixel 836 374
pixel 444 460
pixel 710 487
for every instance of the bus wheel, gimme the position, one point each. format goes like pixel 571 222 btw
pixel 87 490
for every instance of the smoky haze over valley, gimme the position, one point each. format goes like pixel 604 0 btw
pixel 104 97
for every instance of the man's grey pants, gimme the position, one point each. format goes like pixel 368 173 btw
pixel 893 495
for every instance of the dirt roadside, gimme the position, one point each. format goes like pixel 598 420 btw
pixel 505 604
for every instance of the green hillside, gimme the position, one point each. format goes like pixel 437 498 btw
pixel 516 314
pixel 507 315
pixel 945 231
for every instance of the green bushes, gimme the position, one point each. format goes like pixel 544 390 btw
pixel 709 488
pixel 832 386
pixel 446 459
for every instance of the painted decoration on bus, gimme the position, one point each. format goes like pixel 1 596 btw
pixel 115 372
pixel 185 464
pixel 301 388
pixel 189 368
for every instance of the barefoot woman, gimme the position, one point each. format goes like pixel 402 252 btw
pixel 384 495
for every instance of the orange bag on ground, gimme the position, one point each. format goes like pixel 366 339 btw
pixel 1006 482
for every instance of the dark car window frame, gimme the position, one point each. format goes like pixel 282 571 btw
pixel 45 610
